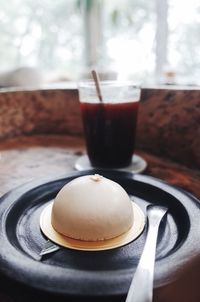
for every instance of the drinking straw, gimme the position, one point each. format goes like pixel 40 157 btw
pixel 97 85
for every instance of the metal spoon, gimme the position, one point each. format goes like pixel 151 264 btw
pixel 49 247
pixel 145 270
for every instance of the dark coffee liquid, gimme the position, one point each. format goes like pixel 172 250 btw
pixel 110 132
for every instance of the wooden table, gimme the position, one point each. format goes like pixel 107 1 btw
pixel 168 127
pixel 24 159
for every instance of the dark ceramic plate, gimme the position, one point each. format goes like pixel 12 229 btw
pixel 98 274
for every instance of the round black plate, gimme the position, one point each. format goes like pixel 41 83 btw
pixel 105 273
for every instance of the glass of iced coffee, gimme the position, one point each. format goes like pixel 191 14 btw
pixel 109 122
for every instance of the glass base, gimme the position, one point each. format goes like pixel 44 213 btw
pixel 137 165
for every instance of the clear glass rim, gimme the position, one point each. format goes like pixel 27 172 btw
pixel 114 83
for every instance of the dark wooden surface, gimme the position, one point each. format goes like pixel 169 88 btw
pixel 24 159
pixel 168 121
pixel 169 124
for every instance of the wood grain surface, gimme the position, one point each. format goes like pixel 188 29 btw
pixel 27 158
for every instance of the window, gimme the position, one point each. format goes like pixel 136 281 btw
pixel 130 37
pixel 44 33
pixel 183 44
pixel 137 38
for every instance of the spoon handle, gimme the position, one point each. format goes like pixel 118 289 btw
pixel 141 288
